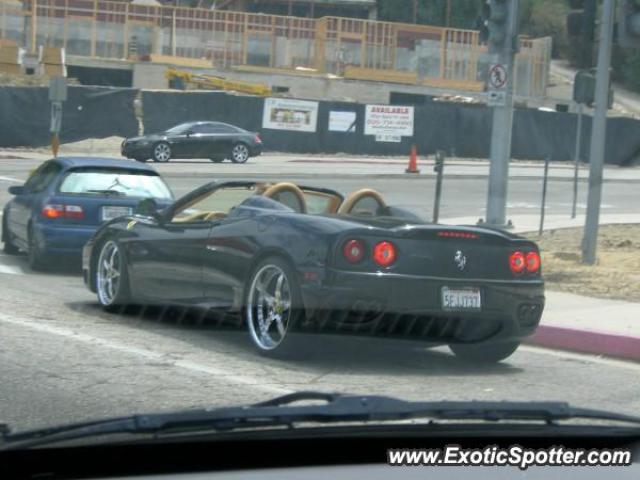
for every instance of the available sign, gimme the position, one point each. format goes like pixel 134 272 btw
pixel 388 121
pixel 287 114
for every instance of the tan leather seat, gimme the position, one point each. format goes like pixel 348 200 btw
pixel 353 203
pixel 277 191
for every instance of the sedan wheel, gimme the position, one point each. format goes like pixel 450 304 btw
pixel 240 153
pixel 111 276
pixel 271 302
pixel 161 152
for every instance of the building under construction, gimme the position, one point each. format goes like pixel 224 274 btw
pixel 217 38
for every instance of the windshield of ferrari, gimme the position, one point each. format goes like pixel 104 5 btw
pixel 214 203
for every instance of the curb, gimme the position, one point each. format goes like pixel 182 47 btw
pixel 585 341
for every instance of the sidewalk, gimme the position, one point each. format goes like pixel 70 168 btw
pixel 624 99
pixel 530 223
pixel 589 325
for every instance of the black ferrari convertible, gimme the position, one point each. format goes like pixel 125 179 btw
pixel 290 258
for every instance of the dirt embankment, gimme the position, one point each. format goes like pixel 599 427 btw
pixel 616 274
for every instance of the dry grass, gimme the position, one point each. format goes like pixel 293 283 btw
pixel 616 274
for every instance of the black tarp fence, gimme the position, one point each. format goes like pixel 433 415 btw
pixel 461 130
pixel 89 112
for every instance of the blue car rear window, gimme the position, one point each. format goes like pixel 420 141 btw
pixel 117 182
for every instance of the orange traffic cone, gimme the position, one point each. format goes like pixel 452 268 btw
pixel 413 161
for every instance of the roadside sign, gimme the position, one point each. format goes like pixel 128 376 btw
pixel 58 89
pixel 498 76
pixel 497 98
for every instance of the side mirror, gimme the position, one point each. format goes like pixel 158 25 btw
pixel 148 208
pixel 16 189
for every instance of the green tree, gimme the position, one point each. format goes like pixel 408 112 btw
pixel 546 18
pixel 463 13
pixel 629 70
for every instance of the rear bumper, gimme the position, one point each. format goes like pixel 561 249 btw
pixel 255 149
pixel 62 239
pixel 411 306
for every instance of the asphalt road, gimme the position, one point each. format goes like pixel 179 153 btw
pixel 63 359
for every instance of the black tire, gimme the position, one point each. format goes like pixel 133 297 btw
pixel 217 159
pixel 161 152
pixel 484 353
pixel 239 153
pixel 37 260
pixel 7 247
pixel 286 345
pixel 114 297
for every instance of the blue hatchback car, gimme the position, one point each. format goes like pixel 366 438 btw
pixel 65 200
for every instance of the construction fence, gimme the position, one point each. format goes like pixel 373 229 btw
pixel 301 126
pixel 352 48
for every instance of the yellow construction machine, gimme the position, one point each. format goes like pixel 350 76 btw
pixel 183 80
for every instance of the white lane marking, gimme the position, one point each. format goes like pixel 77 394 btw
pixel 10 179
pixel 148 354
pixel 585 357
pixel 11 270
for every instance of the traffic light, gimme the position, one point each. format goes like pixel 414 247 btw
pixel 494 25
pixel 584 88
pixel 581 23
pixel 629 23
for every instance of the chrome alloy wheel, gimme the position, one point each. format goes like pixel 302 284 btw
pixel 109 270
pixel 240 153
pixel 269 307
pixel 162 152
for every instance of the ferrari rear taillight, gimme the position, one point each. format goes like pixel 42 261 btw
pixel 533 262
pixel 384 253
pixel 353 250
pixel 63 211
pixel 517 263
pixel 521 262
pixel 257 138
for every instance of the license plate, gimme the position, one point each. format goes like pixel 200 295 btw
pixel 109 213
pixel 461 299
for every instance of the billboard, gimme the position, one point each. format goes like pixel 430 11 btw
pixel 289 114
pixel 389 123
pixel 342 121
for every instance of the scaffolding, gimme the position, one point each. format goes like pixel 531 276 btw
pixel 353 48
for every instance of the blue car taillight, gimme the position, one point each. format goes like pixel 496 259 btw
pixel 62 211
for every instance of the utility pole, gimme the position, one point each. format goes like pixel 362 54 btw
pixel 598 135
pixel 502 38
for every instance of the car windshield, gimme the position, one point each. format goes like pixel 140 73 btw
pixel 210 203
pixel 121 182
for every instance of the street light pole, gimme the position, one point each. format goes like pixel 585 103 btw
pixel 598 135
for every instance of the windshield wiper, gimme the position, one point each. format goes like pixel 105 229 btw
pixel 336 408
pixel 107 191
